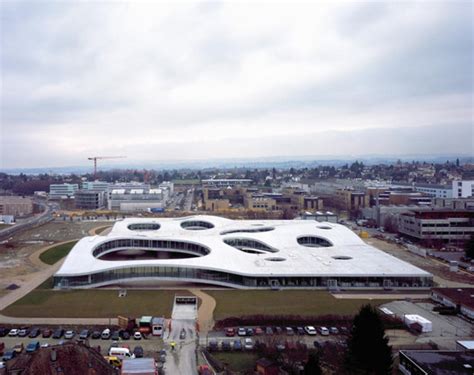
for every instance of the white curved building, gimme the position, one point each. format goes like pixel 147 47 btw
pixel 246 254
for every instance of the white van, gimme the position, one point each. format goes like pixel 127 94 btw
pixel 121 353
pixel 105 334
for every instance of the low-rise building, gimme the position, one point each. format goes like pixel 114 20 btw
pixel 62 191
pixel 436 362
pixel 137 199
pixel 463 189
pixel 454 203
pixel 446 226
pixel 90 199
pixel 95 185
pixel 227 182
pixel 15 206
pixel 352 199
pixel 459 298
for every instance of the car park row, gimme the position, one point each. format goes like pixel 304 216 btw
pixel 288 331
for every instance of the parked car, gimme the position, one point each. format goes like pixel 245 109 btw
pixel 137 336
pixel 125 335
pixel 225 345
pixel 13 332
pixel 33 346
pixel 84 334
pixel 10 354
pixel 138 352
pixel 2 348
pixel 278 330
pixel 324 331
pixel 3 332
pixel 213 346
pixel 269 331
pixel 45 345
pixel 58 333
pixel 182 334
pixel 230 332
pixel 242 331
pixel 280 346
pixel 34 333
pixel 115 336
pixel 105 335
pixel 69 334
pixel 344 330
pixel 18 348
pixel 310 330
pixel 248 343
pixel 258 331
pixel 334 330
pixel 289 331
pixel 300 330
pixel 46 333
pixel 237 345
pixel 250 332
pixel 23 332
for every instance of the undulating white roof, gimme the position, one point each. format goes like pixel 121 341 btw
pixel 348 255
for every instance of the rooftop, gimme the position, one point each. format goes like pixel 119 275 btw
pixel 442 362
pixel 461 296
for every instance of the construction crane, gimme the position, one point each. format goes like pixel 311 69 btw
pixel 95 158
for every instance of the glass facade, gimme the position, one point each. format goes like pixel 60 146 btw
pixel 144 226
pixel 314 241
pixel 135 243
pixel 196 225
pixel 247 245
pixel 122 275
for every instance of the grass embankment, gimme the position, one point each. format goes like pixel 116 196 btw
pixel 100 230
pixel 57 253
pixel 238 362
pixel 236 303
pixel 92 303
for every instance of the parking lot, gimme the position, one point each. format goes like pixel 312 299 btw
pixel 446 328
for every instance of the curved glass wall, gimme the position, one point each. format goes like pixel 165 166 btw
pixel 144 226
pixel 249 245
pixel 196 225
pixel 157 245
pixel 313 241
pixel 250 230
pixel 122 275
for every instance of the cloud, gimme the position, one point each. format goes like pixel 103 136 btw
pixel 91 78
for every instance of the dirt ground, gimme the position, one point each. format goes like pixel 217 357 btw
pixel 440 270
pixel 17 254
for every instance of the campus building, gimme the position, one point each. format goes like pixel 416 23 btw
pixel 15 206
pixel 444 225
pixel 62 191
pixel 250 254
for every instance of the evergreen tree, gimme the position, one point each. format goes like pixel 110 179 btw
pixel 469 247
pixel 313 366
pixel 368 351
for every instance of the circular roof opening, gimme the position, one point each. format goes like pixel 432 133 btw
pixel 313 241
pixel 144 226
pixel 196 225
pixel 341 257
pixel 249 245
pixel 275 259
pixel 324 227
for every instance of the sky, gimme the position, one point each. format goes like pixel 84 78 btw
pixel 157 81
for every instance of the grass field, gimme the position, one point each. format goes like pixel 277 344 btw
pixel 92 303
pixel 238 362
pixel 56 253
pixel 287 302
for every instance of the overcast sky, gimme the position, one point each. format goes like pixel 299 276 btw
pixel 186 81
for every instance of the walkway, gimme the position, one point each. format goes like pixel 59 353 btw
pixel 34 280
pixel 205 311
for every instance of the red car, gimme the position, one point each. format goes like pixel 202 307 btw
pixel 230 332
pixel 258 331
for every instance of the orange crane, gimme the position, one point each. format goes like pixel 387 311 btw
pixel 95 158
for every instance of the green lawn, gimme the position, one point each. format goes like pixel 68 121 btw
pixel 57 253
pixel 285 302
pixel 92 303
pixel 237 362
